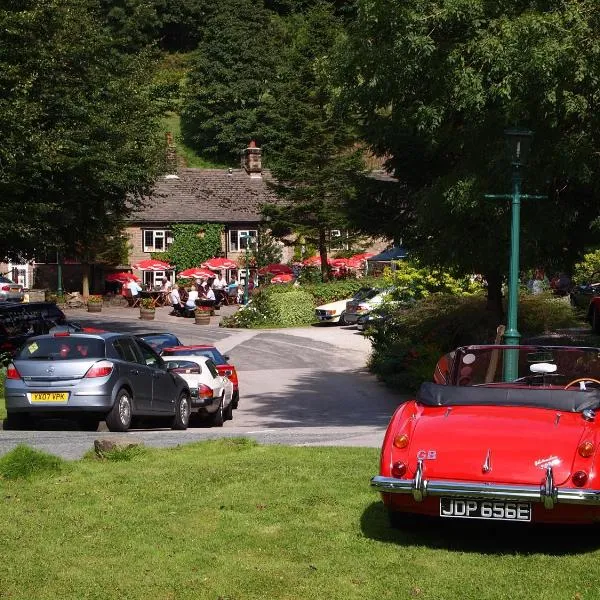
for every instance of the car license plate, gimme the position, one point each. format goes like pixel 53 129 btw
pixel 467 508
pixel 50 397
pixel 15 289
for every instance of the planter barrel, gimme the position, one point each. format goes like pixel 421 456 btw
pixel 202 318
pixel 147 314
pixel 94 306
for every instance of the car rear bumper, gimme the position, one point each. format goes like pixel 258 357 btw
pixel 352 318
pixel 20 402
pixel 546 492
pixel 208 404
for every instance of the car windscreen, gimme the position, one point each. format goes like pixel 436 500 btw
pixel 61 348
pixel 158 341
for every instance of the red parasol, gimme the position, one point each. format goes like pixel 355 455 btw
pixel 121 277
pixel 362 256
pixel 283 278
pixel 216 264
pixel 151 264
pixel 313 261
pixel 196 273
pixel 275 269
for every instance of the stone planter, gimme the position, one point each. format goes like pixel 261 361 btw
pixel 202 318
pixel 94 306
pixel 147 314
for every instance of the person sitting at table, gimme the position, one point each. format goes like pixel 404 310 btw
pixel 190 303
pixel 176 303
pixel 134 287
pixel 166 285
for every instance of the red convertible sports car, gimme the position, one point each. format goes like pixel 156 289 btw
pixel 503 433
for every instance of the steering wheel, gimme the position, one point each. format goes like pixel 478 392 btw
pixel 580 380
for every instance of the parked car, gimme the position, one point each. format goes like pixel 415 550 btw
pixel 335 312
pixel 10 291
pixel 332 312
pixel 501 433
pixel 103 376
pixel 224 367
pixel 361 306
pixel 582 294
pixel 159 340
pixel 19 321
pixel 211 394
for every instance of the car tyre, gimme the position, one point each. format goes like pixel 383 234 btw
pixel 218 417
pixel 16 422
pixel 235 399
pixel 342 320
pixel 228 412
pixel 181 419
pixel 119 418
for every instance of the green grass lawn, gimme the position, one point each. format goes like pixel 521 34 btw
pixel 233 520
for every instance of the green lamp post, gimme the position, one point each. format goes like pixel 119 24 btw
pixel 518 141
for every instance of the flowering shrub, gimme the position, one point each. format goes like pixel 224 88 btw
pixel 146 303
pixel 94 299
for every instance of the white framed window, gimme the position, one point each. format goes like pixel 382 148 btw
pixel 19 273
pixel 156 240
pixel 153 279
pixel 238 239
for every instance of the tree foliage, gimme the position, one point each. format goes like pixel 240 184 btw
pixel 311 148
pixel 192 244
pixel 435 84
pixel 78 128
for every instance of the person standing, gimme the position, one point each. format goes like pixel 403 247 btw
pixel 219 285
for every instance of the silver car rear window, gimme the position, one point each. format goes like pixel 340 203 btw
pixel 62 348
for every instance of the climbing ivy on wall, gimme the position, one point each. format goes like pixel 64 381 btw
pixel 192 245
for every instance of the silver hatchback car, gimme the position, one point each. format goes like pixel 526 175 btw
pixel 10 291
pixel 101 376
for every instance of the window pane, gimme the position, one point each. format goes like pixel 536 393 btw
pixel 148 239
pixel 233 241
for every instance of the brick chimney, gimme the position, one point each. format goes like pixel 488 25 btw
pixel 252 160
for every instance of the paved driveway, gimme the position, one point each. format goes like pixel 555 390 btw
pixel 302 386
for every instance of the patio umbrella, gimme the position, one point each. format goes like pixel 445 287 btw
pixel 283 278
pixel 196 273
pixel 216 264
pixel 121 277
pixel 362 256
pixel 313 261
pixel 151 264
pixel 275 269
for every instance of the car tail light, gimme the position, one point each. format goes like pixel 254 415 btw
pixel 579 478
pixel 398 470
pixel 62 334
pixel 12 373
pixel 401 441
pixel 100 369
pixel 204 391
pixel 228 372
pixel 6 288
pixel 586 449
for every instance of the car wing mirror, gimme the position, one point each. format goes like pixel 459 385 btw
pixel 226 356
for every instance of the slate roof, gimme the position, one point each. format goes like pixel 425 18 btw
pixel 206 195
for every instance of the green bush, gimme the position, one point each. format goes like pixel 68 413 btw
pixel 407 344
pixel 587 268
pixel 274 306
pixel 23 462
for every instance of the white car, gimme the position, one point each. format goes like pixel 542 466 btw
pixel 333 312
pixel 361 306
pixel 210 393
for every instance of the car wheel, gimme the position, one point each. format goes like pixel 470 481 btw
pixel 595 320
pixel 218 417
pixel 119 418
pixel 16 422
pixel 228 412
pixel 181 419
pixel 342 320
pixel 235 400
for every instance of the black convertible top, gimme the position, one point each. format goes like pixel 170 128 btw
pixel 575 400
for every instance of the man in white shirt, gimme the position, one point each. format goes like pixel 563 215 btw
pixel 134 286
pixel 178 306
pixel 219 285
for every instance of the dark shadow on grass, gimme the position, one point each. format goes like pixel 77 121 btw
pixel 482 537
